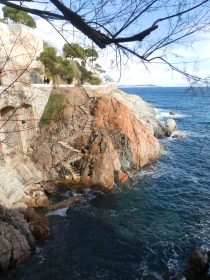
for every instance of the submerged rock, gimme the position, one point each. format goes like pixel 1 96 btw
pixel 172 113
pixel 197 267
pixel 160 132
pixel 38 224
pixel 64 203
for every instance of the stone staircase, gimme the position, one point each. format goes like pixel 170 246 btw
pixel 75 157
pixel 88 124
pixel 67 146
pixel 89 92
pixel 74 173
pixel 84 109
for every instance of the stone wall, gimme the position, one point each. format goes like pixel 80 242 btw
pixel 20 112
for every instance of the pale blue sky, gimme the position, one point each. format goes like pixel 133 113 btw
pixel 133 72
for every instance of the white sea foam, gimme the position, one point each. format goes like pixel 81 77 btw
pixel 40 254
pixel 173 264
pixel 59 212
pixel 166 114
pixel 194 134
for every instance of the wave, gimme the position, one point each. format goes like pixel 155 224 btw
pixel 151 171
pixel 162 114
pixel 40 254
pixel 59 212
pixel 200 134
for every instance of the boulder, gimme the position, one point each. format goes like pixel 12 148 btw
pixel 14 246
pixel 197 266
pixel 36 196
pixel 64 203
pixel 11 187
pixel 122 177
pixel 178 134
pixel 172 113
pixel 133 142
pixel 38 224
pixel 170 126
pixel 160 132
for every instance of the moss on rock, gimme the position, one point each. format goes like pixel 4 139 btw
pixel 54 109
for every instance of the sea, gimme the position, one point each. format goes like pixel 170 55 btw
pixel 147 228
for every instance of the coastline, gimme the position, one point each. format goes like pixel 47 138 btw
pixel 105 151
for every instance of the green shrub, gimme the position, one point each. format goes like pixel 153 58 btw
pixel 95 81
pixel 18 16
pixel 54 109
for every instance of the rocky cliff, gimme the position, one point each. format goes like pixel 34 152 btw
pixel 87 138
pixel 97 138
pixel 20 226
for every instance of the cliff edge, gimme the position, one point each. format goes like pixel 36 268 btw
pixel 87 137
pixel 96 138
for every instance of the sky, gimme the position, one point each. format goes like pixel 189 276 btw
pixel 133 72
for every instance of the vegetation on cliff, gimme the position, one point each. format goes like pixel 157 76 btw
pixel 73 50
pixel 54 109
pixel 17 16
pixel 61 69
pixel 142 29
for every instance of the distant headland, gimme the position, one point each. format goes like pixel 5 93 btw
pixel 142 85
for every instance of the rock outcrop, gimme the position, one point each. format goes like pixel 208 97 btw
pixel 197 268
pixel 170 126
pixel 86 138
pixel 17 232
pixel 98 138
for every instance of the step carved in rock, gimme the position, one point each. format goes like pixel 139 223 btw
pixel 75 157
pixel 66 145
pixel 75 174
pixel 84 109
pixel 89 93
pixel 88 124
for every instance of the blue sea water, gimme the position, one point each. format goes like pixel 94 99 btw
pixel 146 229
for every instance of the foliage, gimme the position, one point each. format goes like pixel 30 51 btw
pixel 73 50
pixel 64 69
pixel 56 66
pixel 94 80
pixel 18 16
pixel 48 58
pixel 85 75
pixel 144 29
pixel 54 109
pixel 107 78
pixel 91 52
pixel 99 68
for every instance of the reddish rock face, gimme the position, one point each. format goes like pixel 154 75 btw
pixel 113 116
pixel 108 138
pixel 38 224
pixel 122 177
pixel 120 144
